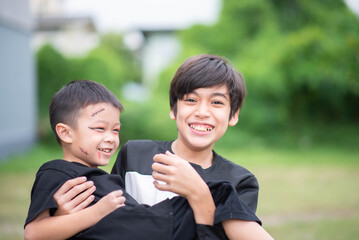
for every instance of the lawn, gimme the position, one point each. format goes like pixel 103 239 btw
pixel 304 194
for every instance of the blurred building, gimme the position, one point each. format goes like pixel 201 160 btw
pixel 18 127
pixel 71 35
pixel 160 48
pixel 25 25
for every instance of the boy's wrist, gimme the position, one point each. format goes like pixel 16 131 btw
pixel 98 210
pixel 203 206
pixel 199 192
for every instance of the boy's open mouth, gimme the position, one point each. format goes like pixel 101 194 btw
pixel 201 127
pixel 106 150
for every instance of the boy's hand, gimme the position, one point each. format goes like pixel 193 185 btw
pixel 178 174
pixel 74 195
pixel 181 178
pixel 110 202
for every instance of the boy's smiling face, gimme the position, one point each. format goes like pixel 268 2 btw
pixel 202 117
pixel 95 138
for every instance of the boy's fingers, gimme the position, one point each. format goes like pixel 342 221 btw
pixel 160 177
pixel 81 198
pixel 118 193
pixel 158 167
pixel 168 153
pixel 122 201
pixel 160 186
pixel 70 184
pixel 76 190
pixel 84 203
pixel 162 158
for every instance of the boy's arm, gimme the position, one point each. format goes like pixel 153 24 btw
pixel 62 227
pixel 245 230
pixel 177 174
pixel 181 178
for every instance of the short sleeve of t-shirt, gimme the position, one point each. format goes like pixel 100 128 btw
pixel 47 182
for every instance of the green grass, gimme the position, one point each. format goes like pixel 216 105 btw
pixel 309 193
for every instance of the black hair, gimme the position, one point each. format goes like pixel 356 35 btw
pixel 203 71
pixel 68 101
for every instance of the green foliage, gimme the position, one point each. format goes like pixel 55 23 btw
pixel 128 63
pixel 147 121
pixel 110 64
pixel 53 73
pixel 299 59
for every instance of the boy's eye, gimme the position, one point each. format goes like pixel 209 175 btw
pixel 217 102
pixel 190 100
pixel 99 129
pixel 116 131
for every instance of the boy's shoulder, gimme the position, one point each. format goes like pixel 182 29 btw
pixel 54 164
pixel 72 169
pixel 147 146
pixel 137 155
pixel 58 165
pixel 227 165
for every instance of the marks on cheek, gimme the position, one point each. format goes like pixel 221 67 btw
pixel 97 112
pixel 99 155
pixel 84 151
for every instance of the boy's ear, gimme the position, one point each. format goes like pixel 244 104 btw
pixel 234 119
pixel 64 132
pixel 172 114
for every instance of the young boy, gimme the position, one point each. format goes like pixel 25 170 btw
pixel 84 116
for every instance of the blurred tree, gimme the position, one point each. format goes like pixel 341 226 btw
pixel 53 73
pixel 111 64
pixel 300 58
pixel 130 63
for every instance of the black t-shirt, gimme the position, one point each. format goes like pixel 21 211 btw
pixel 134 165
pixel 169 219
pixel 133 221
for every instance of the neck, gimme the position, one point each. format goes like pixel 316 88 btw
pixel 203 158
pixel 68 156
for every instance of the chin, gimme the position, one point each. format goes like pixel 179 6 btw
pixel 201 146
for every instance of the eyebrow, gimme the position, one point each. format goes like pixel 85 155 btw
pixel 219 95
pixel 105 122
pixel 215 94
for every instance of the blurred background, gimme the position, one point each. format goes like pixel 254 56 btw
pixel 298 130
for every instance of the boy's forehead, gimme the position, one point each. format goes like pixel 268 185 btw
pixel 223 89
pixel 94 110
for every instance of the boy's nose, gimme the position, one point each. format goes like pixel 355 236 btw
pixel 202 111
pixel 109 137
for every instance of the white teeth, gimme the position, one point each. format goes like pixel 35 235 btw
pixel 201 128
pixel 106 150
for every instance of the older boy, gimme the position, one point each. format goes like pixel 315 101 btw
pixel 84 116
pixel 206 94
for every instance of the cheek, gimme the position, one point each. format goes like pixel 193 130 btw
pixel 84 150
pixel 223 119
pixel 117 141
